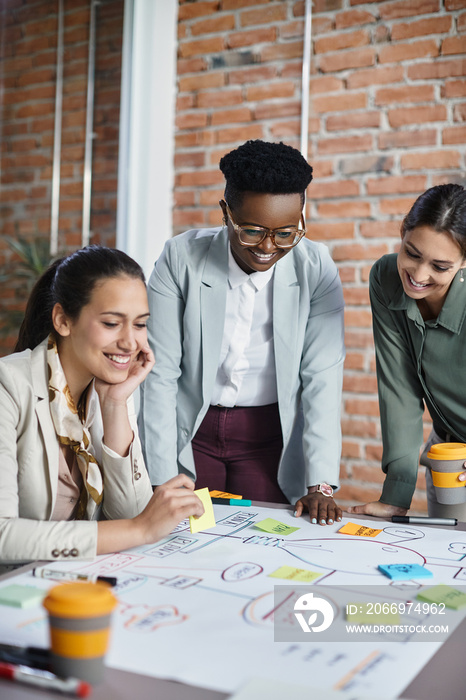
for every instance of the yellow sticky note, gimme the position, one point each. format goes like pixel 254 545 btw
pixel 208 519
pixel 275 526
pixel 291 574
pixel 224 494
pixel 358 530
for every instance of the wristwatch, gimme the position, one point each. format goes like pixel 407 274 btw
pixel 324 489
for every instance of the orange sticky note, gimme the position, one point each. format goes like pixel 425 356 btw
pixel 224 494
pixel 358 530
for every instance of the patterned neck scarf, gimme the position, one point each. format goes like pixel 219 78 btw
pixel 72 425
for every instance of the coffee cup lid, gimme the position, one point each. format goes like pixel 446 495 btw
pixel 80 599
pixel 448 450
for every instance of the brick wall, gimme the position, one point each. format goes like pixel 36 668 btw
pixel 387 112
pixel 387 116
pixel 28 42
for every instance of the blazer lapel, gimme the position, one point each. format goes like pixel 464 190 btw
pixel 285 324
pixel 213 301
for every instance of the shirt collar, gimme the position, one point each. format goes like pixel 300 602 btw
pixel 453 311
pixel 237 276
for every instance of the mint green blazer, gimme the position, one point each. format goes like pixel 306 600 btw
pixel 187 297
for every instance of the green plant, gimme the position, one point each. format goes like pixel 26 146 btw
pixel 34 258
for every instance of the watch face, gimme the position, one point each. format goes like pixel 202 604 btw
pixel 325 489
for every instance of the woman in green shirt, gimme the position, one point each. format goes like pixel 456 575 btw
pixel 418 301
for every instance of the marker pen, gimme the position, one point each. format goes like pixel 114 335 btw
pixel 55 575
pixel 45 679
pixel 231 501
pixel 421 520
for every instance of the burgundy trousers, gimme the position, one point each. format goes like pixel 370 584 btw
pixel 238 450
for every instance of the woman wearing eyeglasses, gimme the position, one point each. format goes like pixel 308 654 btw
pixel 247 328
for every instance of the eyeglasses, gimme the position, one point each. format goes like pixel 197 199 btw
pixel 281 237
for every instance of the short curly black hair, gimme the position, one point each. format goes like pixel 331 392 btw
pixel 261 166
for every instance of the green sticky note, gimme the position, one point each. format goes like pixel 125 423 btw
pixel 275 526
pixel 451 597
pixel 370 613
pixel 291 574
pixel 21 596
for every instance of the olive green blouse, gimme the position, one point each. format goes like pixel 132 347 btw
pixel 417 361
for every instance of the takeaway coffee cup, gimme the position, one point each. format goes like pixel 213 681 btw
pixel 79 619
pixel 446 461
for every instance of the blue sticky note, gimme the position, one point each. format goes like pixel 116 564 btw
pixel 404 572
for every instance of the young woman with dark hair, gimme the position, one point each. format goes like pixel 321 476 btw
pixel 247 329
pixel 73 482
pixel 418 300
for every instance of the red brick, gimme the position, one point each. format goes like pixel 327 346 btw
pixel 357 428
pixel 279 52
pixel 190 159
pixel 219 23
pixel 355 360
pixel 454 88
pixel 23 145
pixel 351 18
pixel 330 63
pixel 201 81
pixel 451 5
pixel 357 251
pixel 322 168
pixel 374 452
pixel 453 45
pixel 405 93
pixel 459 112
pixel 337 42
pixel 219 98
pixel 359 339
pixel 211 198
pixel 397 53
pixel 437 69
pixel 265 15
pixel 416 115
pixel 350 449
pixel 322 25
pixel 184 199
pixel 251 38
pixel 339 103
pixel 407 139
pixel 356 296
pixel 270 92
pixel 239 4
pixel 199 178
pixel 345 144
pixel 239 134
pixel 202 47
pixel 231 116
pixel 326 5
pixel 189 218
pixel 197 9
pixel 375 76
pixel 291 30
pixel 191 120
pixel 397 205
pixel 356 120
pixel 380 229
pixel 347 274
pixel 454 134
pixel 407 8
pixel 184 102
pixel 461 22
pixel 360 383
pixel 325 84
pixel 330 231
pixel 343 209
pixel 431 160
pixel 333 189
pixel 396 185
pixel 190 65
pixel 252 75
pixel 358 318
pixel 423 27
pixel 272 110
pixel 360 407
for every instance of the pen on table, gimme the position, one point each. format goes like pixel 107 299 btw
pixel 37 657
pixel 54 575
pixel 422 520
pixel 45 679
pixel 231 501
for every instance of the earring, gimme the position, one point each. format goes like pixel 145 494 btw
pixel 224 221
pixel 462 275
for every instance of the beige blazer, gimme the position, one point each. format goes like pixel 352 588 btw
pixel 29 452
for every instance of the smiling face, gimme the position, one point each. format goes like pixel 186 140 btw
pixel 107 336
pixel 427 263
pixel 270 211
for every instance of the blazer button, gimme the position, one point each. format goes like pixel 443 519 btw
pixel 137 476
pixel 74 552
pixel 55 553
pixel 66 552
pixel 185 432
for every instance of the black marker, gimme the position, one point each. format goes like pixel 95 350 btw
pixel 421 520
pixel 55 575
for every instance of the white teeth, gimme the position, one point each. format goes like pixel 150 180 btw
pixel 416 284
pixel 264 256
pixel 120 359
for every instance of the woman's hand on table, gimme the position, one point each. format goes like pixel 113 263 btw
pixel 322 509
pixel 377 508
